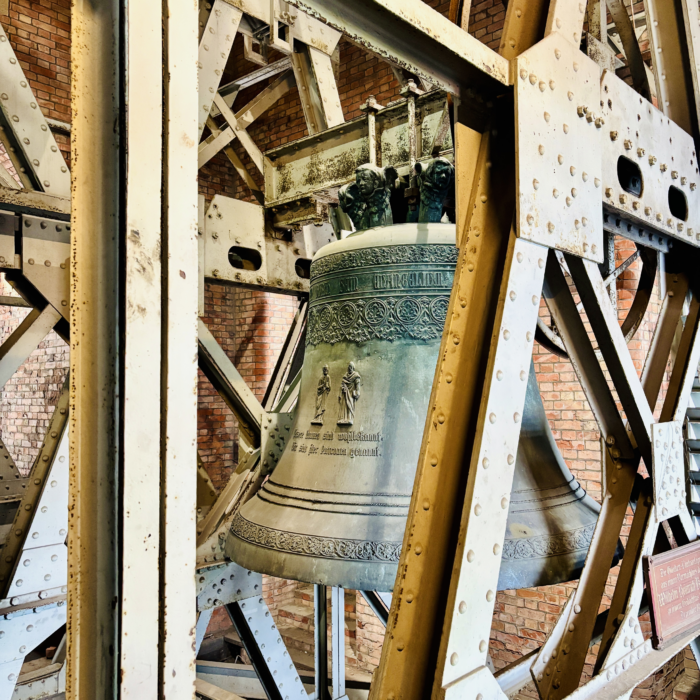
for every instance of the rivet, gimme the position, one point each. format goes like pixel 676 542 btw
pixel 506 334
pixel 504 503
pixel 540 148
pixel 489 596
pixel 454 659
pixel 462 607
pixel 470 556
pixel 485 463
pixel 477 509
pixel 482 646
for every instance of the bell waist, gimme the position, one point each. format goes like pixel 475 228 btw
pixel 544 499
pixel 317 500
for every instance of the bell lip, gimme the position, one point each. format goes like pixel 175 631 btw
pixel 395 234
pixel 351 575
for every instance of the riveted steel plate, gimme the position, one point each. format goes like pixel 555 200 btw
pixel 237 249
pixel 639 139
pixel 628 643
pixel 23 115
pixel 46 259
pixel 50 523
pixel 276 431
pixel 225 583
pixel 8 675
pixel 559 151
pixel 271 647
pixel 43 568
pixel 23 630
pixel 668 469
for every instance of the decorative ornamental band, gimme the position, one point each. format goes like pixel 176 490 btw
pixel 311 545
pixel 383 318
pixel 363 550
pixel 548 546
pixel 385 255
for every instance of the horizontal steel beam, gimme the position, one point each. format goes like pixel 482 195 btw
pixel 413 36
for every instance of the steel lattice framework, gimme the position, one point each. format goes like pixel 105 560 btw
pixel 536 131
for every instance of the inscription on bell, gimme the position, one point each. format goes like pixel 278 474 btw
pixel 412 280
pixel 343 285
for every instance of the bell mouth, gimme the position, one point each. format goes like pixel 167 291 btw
pixel 353 564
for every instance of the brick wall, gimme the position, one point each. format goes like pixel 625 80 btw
pixel 251 327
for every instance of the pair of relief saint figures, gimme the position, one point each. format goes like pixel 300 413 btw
pixel 349 394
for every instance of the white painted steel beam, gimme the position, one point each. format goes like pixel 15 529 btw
pixel 179 391
pixel 141 418
pixel 214 50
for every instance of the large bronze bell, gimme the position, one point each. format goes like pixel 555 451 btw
pixel 334 509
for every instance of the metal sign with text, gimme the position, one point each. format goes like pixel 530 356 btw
pixel 673 587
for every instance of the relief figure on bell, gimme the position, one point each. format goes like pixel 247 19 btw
pixel 322 391
pixel 435 182
pixel 349 394
pixel 367 200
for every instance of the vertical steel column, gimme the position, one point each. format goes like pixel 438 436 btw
pixel 141 354
pixel 178 553
pixel 338 642
pixel 133 351
pixel 95 346
pixel 321 642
